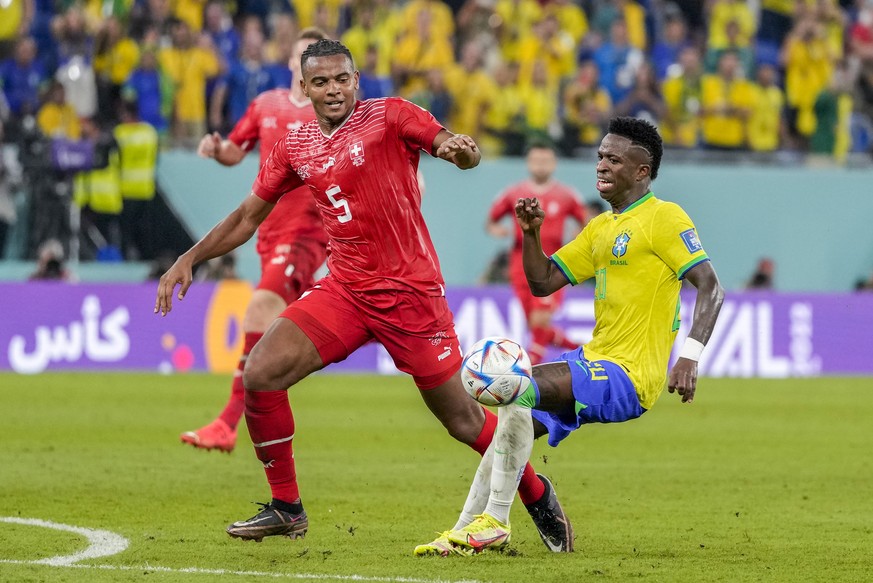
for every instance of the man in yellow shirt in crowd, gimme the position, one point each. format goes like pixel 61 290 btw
pixel 725 105
pixel 188 64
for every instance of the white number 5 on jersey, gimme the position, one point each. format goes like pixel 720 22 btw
pixel 339 203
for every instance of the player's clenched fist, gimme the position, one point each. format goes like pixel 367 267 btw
pixel 529 213
pixel 209 145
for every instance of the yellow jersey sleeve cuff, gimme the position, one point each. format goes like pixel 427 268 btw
pixel 696 261
pixel 564 269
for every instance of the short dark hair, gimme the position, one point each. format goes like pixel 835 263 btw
pixel 640 133
pixel 540 144
pixel 312 33
pixel 325 48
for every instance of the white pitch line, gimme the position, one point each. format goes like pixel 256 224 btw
pixel 101 543
pixel 198 571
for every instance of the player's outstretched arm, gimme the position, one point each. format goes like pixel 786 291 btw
pixel 458 149
pixel 710 295
pixel 224 152
pixel 543 277
pixel 231 232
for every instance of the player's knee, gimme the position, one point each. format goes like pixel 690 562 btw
pixel 264 307
pixel 261 372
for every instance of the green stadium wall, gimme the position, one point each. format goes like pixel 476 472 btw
pixel 814 223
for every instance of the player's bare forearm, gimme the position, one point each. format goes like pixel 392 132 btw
pixel 537 266
pixel 229 154
pixel 543 277
pixel 710 296
pixel 224 152
pixel 232 231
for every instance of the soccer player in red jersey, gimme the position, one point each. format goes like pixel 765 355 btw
pixel 291 241
pixel 359 161
pixel 562 203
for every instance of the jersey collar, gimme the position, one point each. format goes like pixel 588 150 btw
pixel 646 197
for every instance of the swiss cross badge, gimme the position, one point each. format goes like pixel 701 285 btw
pixel 356 153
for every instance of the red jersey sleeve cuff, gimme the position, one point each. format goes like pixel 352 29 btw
pixel 429 137
pixel 263 193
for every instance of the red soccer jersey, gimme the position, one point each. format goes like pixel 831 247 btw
pixel 363 177
pixel 268 118
pixel 558 200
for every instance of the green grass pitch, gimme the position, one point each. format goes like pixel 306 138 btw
pixel 756 481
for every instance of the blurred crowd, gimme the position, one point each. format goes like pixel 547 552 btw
pixel 724 75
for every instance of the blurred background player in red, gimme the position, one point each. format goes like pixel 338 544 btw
pixel 291 241
pixel 561 202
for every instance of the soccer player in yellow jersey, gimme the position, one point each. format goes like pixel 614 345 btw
pixel 637 253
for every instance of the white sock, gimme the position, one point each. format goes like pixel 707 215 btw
pixel 479 490
pixel 513 442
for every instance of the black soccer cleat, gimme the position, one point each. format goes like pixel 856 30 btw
pixel 551 522
pixel 270 521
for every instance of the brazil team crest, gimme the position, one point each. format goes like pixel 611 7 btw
pixel 620 246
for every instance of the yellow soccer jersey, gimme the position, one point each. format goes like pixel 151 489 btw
pixel 637 258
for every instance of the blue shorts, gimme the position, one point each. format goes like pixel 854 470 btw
pixel 603 393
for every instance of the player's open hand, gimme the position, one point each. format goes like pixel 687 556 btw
pixel 683 379
pixel 179 274
pixel 529 214
pixel 209 145
pixel 457 149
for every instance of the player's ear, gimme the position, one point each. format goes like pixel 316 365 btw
pixel 643 171
pixel 303 87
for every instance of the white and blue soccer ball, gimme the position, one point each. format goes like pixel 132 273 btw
pixel 495 371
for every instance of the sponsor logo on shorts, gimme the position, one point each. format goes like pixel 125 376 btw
pixel 437 338
pixel 446 353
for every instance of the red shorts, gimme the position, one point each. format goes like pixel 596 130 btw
pixel 416 329
pixel 528 301
pixel 289 269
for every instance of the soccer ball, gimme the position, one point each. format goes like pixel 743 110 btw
pixel 496 371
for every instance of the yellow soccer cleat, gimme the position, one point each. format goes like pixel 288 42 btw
pixel 441 547
pixel 485 532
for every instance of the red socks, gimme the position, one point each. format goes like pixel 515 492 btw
pixel 271 427
pixel 530 489
pixel 237 404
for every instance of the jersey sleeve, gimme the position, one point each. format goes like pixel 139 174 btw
pixel 246 132
pixel 576 258
pixel 675 240
pixel 415 125
pixel 276 176
pixel 577 209
pixel 503 205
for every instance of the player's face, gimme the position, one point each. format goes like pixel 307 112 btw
pixel 621 168
pixel 541 164
pixel 330 83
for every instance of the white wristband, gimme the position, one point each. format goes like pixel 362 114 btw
pixel 692 349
